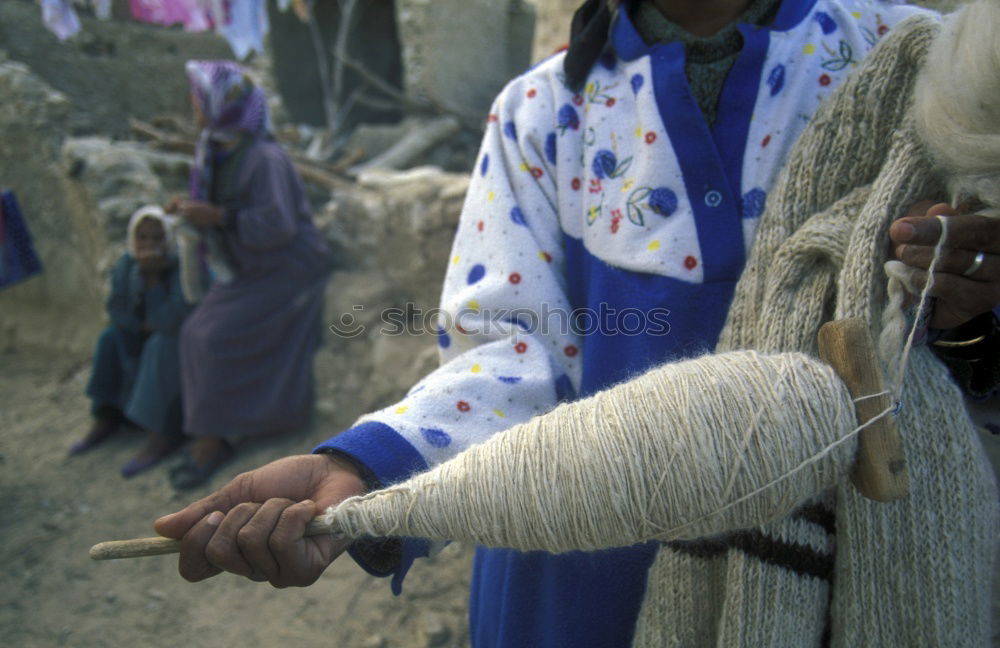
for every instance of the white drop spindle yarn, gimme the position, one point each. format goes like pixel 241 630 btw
pixel 626 464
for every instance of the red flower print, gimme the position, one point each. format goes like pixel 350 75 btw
pixel 531 93
pixel 690 263
pixel 615 224
pixel 514 278
pixel 766 141
pixel 824 80
pixel 458 327
pixel 577 99
pixel 521 347
pixel 575 183
pixel 480 225
pixel 547 257
pixel 571 350
pixel 462 406
pixel 610 102
pixel 882 29
pixel 595 186
pixel 491 118
pixel 650 137
pixel 536 172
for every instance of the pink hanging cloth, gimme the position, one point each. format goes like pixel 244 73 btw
pixel 193 14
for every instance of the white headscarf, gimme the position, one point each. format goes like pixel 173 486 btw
pixel 155 212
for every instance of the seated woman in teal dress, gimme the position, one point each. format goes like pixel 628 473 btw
pixel 136 371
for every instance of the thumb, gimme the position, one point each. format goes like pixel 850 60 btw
pixel 175 525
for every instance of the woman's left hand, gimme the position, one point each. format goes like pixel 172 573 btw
pixel 967 276
pixel 198 212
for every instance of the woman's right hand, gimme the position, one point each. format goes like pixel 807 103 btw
pixel 254 526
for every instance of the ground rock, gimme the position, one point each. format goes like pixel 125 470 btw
pixel 61 307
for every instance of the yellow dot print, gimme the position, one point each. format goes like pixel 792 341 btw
pixel 455 259
pixel 474 305
pixel 476 368
pixel 653 245
pixel 402 409
pixel 499 413
pixel 856 14
pixel 491 196
pixel 809 49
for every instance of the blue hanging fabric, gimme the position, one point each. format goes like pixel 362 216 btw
pixel 18 259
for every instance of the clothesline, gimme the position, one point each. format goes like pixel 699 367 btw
pixel 243 24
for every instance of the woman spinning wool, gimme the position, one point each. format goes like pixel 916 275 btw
pixel 246 352
pixel 632 172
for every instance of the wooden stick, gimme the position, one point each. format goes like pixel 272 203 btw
pixel 880 466
pixel 158 546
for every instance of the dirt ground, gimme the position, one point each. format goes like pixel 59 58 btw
pixel 52 509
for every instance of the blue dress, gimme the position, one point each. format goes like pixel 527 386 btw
pixel 136 372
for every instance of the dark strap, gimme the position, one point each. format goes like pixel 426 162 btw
pixel 588 36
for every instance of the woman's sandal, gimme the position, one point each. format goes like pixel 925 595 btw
pixel 155 451
pixel 189 473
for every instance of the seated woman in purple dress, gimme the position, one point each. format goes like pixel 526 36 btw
pixel 246 352
pixel 136 373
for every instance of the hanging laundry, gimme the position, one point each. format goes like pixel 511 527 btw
pixel 60 18
pixel 244 24
pixel 192 14
pixel 18 259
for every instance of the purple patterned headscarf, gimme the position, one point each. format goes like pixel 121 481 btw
pixel 233 105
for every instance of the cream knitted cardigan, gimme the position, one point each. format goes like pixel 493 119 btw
pixel 821 564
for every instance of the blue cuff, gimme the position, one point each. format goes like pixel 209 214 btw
pixel 381 449
pixel 413 548
pixel 391 459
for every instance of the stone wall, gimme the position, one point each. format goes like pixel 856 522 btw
pixel 460 53
pixel 110 71
pixel 61 307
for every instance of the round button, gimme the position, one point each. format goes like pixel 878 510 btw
pixel 713 198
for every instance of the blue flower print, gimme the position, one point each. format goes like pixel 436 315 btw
pixel 510 380
pixel 826 23
pixel 510 130
pixel 477 272
pixel 444 340
pixel 485 164
pixel 550 148
pixel 567 118
pixel 663 201
pixel 776 79
pixel 637 80
pixel 606 165
pixel 436 437
pixel 517 216
pixel 754 202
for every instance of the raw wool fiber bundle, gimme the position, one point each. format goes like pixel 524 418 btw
pixel 957 103
pixel 842 569
pixel 688 449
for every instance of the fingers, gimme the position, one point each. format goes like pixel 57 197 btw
pixel 959 298
pixel 952 261
pixel 192 565
pixel 965 232
pixel 262 542
pixel 176 525
pixel 301 560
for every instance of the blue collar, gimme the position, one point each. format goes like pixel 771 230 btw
pixel 629 45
